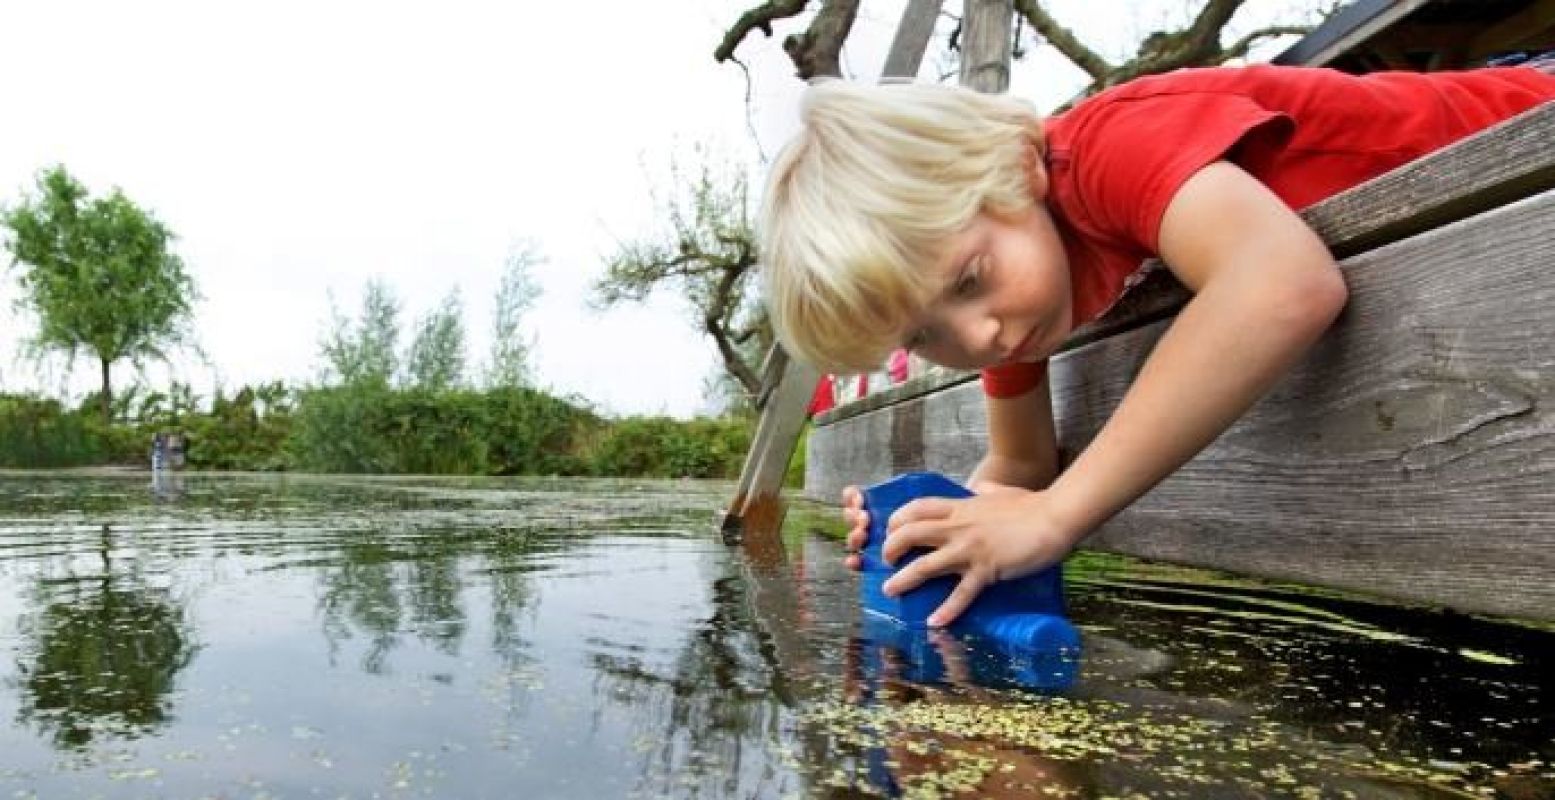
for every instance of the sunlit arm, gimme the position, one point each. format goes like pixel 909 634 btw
pixel 1265 289
pixel 1022 448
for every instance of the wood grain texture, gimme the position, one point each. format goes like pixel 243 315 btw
pixel 1410 455
pixel 911 39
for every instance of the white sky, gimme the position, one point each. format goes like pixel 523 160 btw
pixel 299 149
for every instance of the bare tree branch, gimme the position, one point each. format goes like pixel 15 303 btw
pixel 818 50
pixel 1063 39
pixel 1242 45
pixel 760 17
pixel 1212 19
pixel 717 321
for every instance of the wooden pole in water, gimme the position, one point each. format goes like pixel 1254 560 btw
pixel 757 507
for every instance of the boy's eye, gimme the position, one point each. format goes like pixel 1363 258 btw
pixel 967 283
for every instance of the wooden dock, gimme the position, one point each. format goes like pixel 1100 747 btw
pixel 1411 455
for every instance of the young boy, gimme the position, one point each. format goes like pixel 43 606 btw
pixel 963 227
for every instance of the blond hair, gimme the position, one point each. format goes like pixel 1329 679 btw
pixel 858 208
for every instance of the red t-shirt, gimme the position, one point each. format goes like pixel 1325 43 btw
pixel 1116 160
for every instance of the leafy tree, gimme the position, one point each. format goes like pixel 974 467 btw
pixel 365 353
pixel 510 351
pixel 705 251
pixel 99 276
pixel 436 358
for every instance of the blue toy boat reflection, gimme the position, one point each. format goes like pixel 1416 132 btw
pixel 1015 631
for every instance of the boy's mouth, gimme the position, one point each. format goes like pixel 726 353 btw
pixel 1022 350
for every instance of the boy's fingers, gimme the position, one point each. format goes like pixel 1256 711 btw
pixel 851 497
pixel 967 589
pixel 921 509
pixel 852 561
pixel 858 537
pixel 903 539
pixel 927 566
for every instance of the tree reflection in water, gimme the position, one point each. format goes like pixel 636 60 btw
pixel 101 654
pixel 386 584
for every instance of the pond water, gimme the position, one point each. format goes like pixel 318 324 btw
pixel 294 636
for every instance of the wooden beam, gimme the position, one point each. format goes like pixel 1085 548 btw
pixel 911 40
pixel 1525 28
pixel 1351 25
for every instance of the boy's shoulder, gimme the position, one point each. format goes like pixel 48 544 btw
pixel 1114 158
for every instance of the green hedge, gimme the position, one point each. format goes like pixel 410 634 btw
pixel 378 429
pixel 661 447
pixel 382 430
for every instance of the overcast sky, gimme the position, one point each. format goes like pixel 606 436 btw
pixel 300 149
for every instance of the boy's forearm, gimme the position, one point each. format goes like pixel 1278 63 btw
pixel 1227 347
pixel 1022 446
pixel 996 469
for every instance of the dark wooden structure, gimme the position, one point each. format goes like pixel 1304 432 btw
pixel 1424 35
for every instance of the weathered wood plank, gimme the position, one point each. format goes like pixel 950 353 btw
pixel 1411 455
pixel 911 39
pixel 1504 163
pixel 986 44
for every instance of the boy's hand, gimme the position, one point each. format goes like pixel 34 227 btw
pixel 857 518
pixel 992 537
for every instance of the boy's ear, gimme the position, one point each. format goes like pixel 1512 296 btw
pixel 1035 166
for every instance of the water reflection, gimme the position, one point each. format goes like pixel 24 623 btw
pixel 466 638
pixel 100 653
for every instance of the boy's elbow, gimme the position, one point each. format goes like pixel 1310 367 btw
pixel 1329 295
pixel 1315 300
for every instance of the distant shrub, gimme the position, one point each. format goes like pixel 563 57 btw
pixel 37 432
pixel 667 448
pixel 530 432
pixel 376 429
pixel 249 431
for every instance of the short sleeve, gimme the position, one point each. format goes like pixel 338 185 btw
pixel 1136 152
pixel 1005 381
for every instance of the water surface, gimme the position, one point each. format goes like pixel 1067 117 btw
pixel 294 636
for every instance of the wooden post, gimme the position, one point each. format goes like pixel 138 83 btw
pixel 986 44
pixel 758 505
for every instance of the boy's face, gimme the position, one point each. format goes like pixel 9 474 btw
pixel 1004 294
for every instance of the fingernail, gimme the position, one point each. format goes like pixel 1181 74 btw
pixel 936 621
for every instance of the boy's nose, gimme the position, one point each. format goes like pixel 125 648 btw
pixel 984 339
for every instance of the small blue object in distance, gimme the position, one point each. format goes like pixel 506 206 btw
pixel 1022 615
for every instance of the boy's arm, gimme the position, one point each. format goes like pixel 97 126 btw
pixel 1266 288
pixel 1022 447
